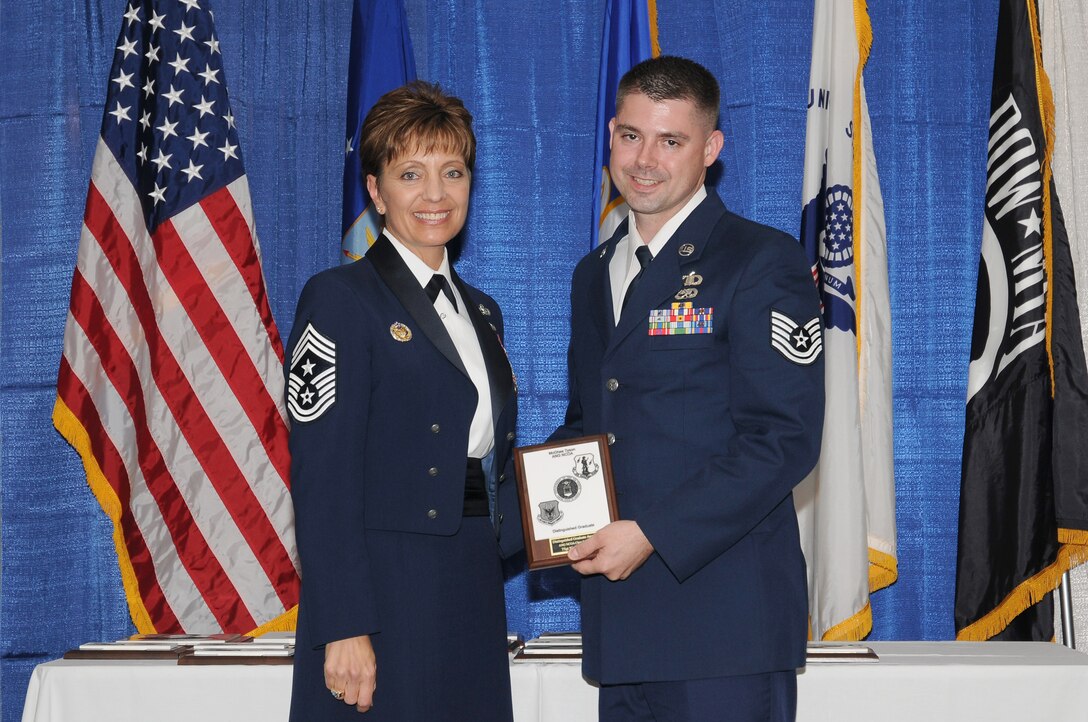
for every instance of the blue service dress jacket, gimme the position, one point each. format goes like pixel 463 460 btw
pixel 380 408
pixel 713 413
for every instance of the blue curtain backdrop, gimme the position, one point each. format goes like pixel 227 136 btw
pixel 528 73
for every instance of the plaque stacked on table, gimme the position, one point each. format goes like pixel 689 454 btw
pixel 838 653
pixel 552 647
pixel 270 648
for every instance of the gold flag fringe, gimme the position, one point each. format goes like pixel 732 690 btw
pixel 655 44
pixel 853 628
pixel 75 434
pixel 883 570
pixel 1045 96
pixel 1024 595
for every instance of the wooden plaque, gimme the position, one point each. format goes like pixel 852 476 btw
pixel 567 494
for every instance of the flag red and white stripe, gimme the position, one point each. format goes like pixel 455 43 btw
pixel 170 386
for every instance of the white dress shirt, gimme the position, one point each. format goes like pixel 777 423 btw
pixel 481 434
pixel 624 265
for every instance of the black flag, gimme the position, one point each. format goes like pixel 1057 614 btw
pixel 1024 490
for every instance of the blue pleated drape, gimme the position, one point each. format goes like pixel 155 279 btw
pixel 527 71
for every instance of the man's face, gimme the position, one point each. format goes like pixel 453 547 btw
pixel 660 153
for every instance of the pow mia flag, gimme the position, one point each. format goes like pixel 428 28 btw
pixel 311 383
pixel 1024 486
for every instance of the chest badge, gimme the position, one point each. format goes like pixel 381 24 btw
pixel 693 279
pixel 685 293
pixel 681 319
pixel 400 332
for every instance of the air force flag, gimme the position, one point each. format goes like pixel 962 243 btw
pixel 630 36
pixel 381 59
pixel 846 506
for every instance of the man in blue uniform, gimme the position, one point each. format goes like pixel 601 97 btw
pixel 696 348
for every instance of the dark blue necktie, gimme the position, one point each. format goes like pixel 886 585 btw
pixel 642 253
pixel 438 283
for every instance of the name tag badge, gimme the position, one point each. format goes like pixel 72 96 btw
pixel 681 319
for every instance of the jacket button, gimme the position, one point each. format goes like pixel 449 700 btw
pixel 435 428
pixel 433 471
pixel 611 438
pixel 510 436
pixel 432 514
pixel 502 478
pixel 613 384
pixel 500 517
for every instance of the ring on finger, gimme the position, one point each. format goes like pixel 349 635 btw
pixel 336 694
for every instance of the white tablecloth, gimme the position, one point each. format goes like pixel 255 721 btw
pixel 926 681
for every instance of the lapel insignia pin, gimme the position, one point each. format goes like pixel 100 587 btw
pixel 686 293
pixel 400 332
pixel 604 250
pixel 687 249
pixel 693 279
pixel 484 310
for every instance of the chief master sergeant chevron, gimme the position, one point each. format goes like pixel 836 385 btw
pixel 708 381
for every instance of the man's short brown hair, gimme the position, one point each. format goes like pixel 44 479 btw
pixel 673 78
pixel 415 117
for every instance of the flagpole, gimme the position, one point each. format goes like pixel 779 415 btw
pixel 1065 596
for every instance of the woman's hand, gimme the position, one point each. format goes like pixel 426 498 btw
pixel 350 668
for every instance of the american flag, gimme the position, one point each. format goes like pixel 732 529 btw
pixel 170 386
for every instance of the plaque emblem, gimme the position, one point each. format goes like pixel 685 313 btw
pixel 567 488
pixel 549 511
pixel 400 332
pixel 585 466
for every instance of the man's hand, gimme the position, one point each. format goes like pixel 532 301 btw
pixel 615 551
pixel 350 668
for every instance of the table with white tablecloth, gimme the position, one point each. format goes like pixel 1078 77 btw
pixel 927 681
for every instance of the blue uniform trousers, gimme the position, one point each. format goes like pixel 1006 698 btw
pixel 770 697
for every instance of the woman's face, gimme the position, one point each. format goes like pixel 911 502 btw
pixel 425 200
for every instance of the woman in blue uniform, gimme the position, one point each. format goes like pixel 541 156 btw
pixel 403 409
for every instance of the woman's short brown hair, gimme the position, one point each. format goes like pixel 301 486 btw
pixel 417 116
